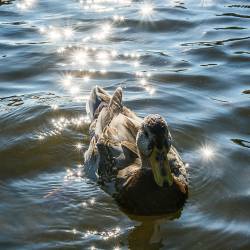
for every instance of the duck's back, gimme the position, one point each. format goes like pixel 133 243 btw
pixel 113 133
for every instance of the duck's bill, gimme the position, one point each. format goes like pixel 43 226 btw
pixel 160 167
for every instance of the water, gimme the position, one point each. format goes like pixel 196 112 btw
pixel 187 60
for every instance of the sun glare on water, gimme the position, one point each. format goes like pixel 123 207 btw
pixel 146 10
pixel 207 152
pixel 26 4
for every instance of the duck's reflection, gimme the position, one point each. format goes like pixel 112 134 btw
pixel 148 235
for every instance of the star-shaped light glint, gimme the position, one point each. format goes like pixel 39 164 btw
pixel 146 11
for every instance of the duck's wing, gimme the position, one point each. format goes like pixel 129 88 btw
pixel 114 129
pixel 117 131
pixel 102 109
pixel 109 112
pixel 97 99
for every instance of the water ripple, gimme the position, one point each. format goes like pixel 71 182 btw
pixel 186 60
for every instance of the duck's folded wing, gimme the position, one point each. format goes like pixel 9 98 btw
pixel 115 123
pixel 108 112
pixel 126 128
pixel 116 134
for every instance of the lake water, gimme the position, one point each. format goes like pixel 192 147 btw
pixel 186 60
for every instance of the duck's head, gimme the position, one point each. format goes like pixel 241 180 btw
pixel 154 142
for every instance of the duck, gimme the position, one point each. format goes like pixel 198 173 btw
pixel 132 158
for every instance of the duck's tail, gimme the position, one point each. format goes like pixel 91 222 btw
pixel 97 98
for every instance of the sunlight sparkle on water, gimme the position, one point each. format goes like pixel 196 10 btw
pixel 103 71
pixel 86 78
pixel 54 106
pixel 26 4
pixel 69 173
pixel 92 71
pixel 79 173
pixel 118 18
pixel 72 175
pixel 60 124
pixel 102 5
pixel 84 204
pixel 146 10
pixel 114 53
pixel 57 33
pixel 207 152
pixel 60 50
pixel 92 201
pixel 79 57
pixel 42 29
pixel 143 82
pixel 67 80
pixel 106 28
pixel 151 91
pixel 104 32
pixel 136 64
pixel 113 233
pixel 103 58
pixel 68 33
pixel 54 34
pixel 104 235
pixel 41 137
pixel 74 90
pixel 139 74
pixel 207 3
pixel 79 146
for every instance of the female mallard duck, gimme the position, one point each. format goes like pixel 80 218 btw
pixel 133 158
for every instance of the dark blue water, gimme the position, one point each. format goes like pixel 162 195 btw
pixel 186 60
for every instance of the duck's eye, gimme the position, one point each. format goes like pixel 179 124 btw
pixel 168 142
pixel 150 146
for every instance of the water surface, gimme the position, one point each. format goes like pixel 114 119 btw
pixel 186 60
